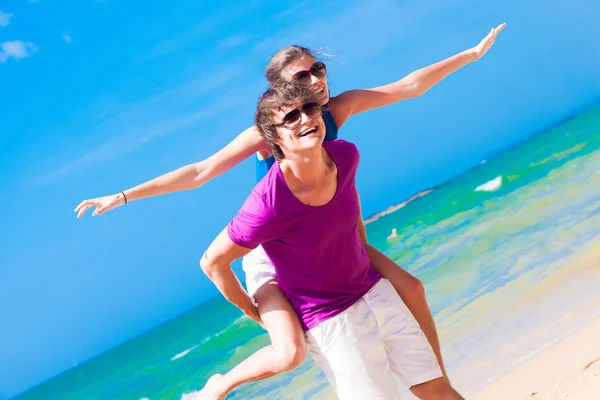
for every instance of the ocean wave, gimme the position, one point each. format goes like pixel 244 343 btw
pixel 183 353
pixel 490 186
pixel 240 327
pixel 190 396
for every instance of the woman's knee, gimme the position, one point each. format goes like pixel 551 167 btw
pixel 290 354
pixel 283 325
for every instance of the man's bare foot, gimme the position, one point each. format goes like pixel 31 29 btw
pixel 212 389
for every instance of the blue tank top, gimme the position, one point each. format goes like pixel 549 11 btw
pixel 331 133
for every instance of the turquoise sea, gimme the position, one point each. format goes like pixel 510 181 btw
pixel 509 253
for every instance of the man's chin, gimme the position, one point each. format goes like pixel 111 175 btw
pixel 316 141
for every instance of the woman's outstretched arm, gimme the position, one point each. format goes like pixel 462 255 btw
pixel 413 85
pixel 188 177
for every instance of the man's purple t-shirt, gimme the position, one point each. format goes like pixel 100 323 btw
pixel 322 266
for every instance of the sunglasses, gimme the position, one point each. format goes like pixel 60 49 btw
pixel 318 70
pixel 293 118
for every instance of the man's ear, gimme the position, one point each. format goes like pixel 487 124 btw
pixel 279 140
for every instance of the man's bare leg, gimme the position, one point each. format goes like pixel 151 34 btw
pixel 436 389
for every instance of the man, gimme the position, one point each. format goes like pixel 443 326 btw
pixel 306 215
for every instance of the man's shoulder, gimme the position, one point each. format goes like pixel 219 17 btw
pixel 258 208
pixel 340 145
pixel 343 152
pixel 256 222
pixel 265 191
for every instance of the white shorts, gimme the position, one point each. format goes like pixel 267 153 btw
pixel 258 270
pixel 363 347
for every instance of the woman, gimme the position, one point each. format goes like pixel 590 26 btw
pixel 290 65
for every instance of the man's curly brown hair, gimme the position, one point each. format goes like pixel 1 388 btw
pixel 273 100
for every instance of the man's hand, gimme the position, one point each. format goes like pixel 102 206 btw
pixel 252 313
pixel 487 42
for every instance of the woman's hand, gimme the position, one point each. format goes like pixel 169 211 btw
pixel 102 204
pixel 487 42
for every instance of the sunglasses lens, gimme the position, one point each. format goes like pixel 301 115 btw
pixel 318 69
pixel 313 110
pixel 301 76
pixel 292 118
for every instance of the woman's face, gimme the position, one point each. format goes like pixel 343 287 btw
pixel 307 65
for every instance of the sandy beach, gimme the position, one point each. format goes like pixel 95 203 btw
pixel 569 369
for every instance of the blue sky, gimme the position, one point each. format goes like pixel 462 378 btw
pixel 97 96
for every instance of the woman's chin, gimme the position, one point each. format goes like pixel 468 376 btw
pixel 324 98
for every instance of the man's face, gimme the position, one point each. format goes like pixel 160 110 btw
pixel 301 127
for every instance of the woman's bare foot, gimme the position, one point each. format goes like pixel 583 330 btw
pixel 212 389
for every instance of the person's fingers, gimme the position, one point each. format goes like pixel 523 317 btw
pixel 83 210
pixel 99 210
pixel 83 203
pixel 497 31
pixel 89 203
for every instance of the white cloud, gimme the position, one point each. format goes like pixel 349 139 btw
pixel 5 18
pixel 16 49
pixel 67 38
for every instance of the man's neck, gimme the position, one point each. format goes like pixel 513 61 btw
pixel 307 169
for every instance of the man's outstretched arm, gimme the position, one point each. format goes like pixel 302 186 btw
pixel 216 264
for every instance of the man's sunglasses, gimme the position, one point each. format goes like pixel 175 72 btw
pixel 293 118
pixel 318 70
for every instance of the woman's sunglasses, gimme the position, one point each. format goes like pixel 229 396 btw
pixel 318 70
pixel 293 118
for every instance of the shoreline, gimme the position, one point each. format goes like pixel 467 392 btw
pixel 528 138
pixel 567 369
pixel 397 206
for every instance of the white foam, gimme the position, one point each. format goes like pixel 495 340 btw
pixel 237 321
pixel 207 339
pixel 184 353
pixel 190 396
pixel 490 186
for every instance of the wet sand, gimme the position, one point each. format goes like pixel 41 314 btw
pixel 567 370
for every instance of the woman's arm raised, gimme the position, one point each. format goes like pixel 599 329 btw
pixel 413 85
pixel 188 177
